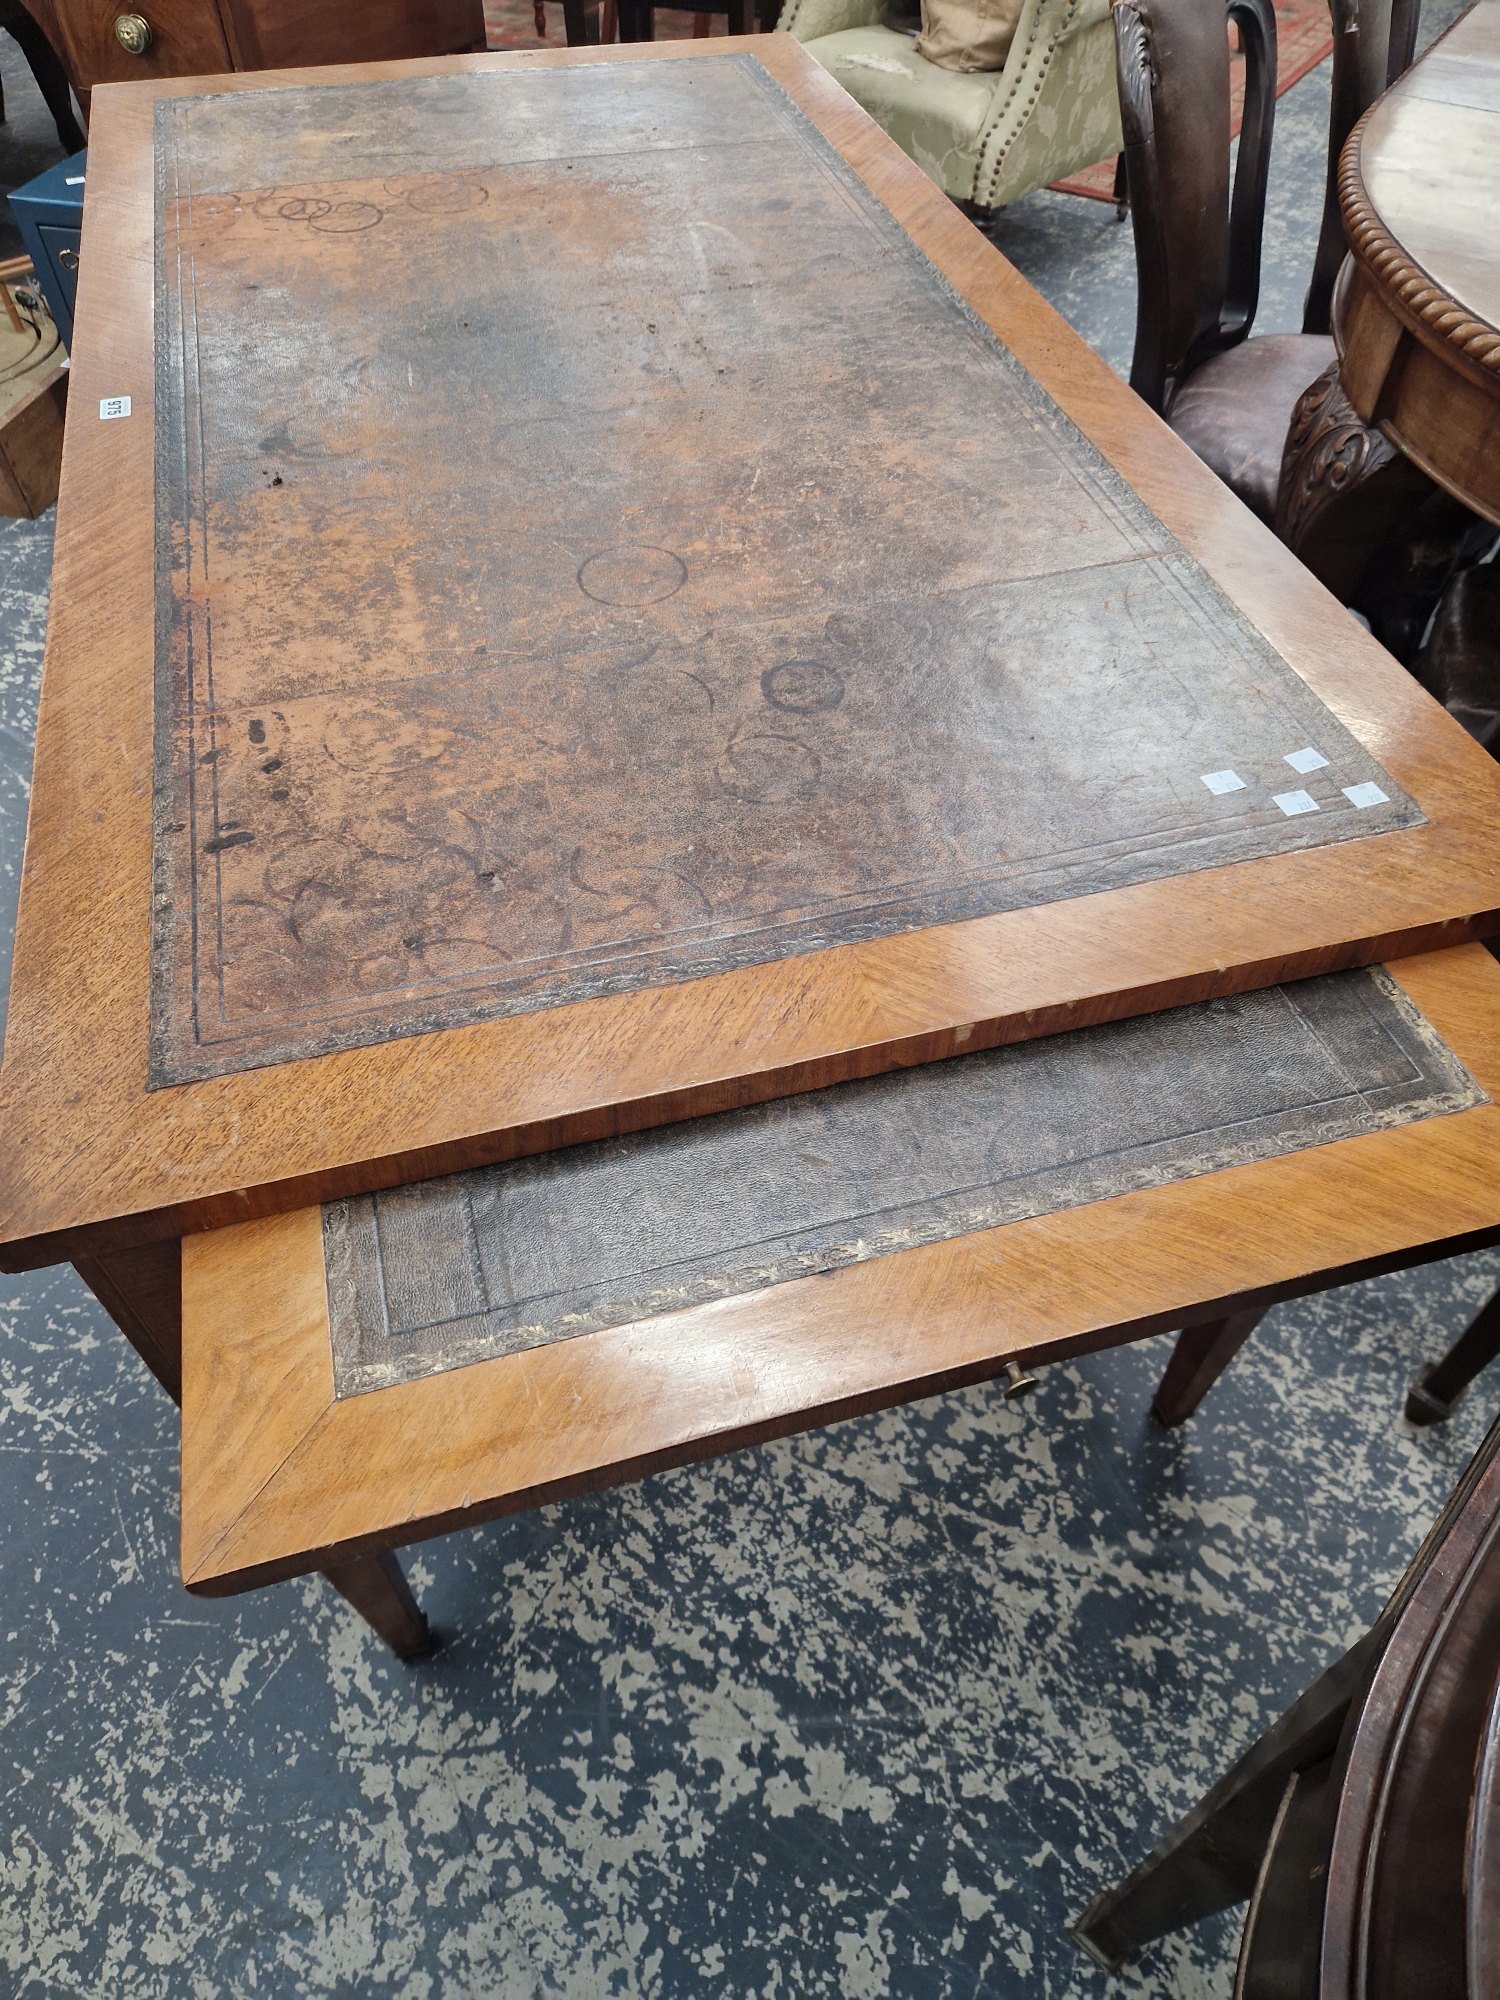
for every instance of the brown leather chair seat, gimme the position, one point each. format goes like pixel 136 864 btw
pixel 1233 411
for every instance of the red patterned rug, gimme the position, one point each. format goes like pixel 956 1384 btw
pixel 1303 38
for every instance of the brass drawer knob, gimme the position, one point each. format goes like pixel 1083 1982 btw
pixel 133 33
pixel 68 258
pixel 1017 1382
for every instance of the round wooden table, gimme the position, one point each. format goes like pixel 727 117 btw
pixel 1416 316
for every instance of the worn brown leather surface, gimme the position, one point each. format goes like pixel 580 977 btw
pixel 456 1270
pixel 1235 409
pixel 596 549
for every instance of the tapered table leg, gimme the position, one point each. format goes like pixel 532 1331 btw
pixel 1200 1357
pixel 381 1595
pixel 1436 1389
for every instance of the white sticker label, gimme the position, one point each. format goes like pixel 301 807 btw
pixel 1219 782
pixel 1292 803
pixel 1365 795
pixel 73 180
pixel 114 406
pixel 1306 760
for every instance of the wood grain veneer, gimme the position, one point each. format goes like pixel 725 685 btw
pixel 279 1477
pixel 96 1161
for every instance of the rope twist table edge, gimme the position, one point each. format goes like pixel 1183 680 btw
pixel 1391 265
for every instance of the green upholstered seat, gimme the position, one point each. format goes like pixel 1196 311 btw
pixel 988 136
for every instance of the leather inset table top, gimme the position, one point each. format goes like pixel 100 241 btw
pixel 447 1272
pixel 596 548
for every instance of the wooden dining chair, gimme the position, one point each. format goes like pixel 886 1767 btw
pixel 1198 240
pixel 1364 1827
pixel 1374 42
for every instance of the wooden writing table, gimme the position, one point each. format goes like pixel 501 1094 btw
pixel 651 614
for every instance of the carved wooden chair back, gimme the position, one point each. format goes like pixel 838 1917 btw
pixel 1374 41
pixel 1197 246
pixel 1197 243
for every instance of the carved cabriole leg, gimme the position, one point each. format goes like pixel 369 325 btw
pixel 141 1290
pixel 1436 1389
pixel 1344 488
pixel 381 1595
pixel 1200 1357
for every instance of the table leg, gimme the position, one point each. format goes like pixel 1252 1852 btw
pixel 141 1290
pixel 381 1595
pixel 1435 1389
pixel 1200 1357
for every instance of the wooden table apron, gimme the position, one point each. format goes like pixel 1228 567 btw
pixel 279 1476
pixel 97 1163
pixel 1417 310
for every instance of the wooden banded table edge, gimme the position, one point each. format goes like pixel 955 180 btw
pixel 501 1090
pixel 280 1478
pixel 104 1167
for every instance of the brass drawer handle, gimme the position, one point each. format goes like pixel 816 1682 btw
pixel 133 33
pixel 68 258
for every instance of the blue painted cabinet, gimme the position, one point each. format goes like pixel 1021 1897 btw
pixel 49 213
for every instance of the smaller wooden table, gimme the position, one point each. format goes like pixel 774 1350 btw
pixel 394 1366
pixel 1417 313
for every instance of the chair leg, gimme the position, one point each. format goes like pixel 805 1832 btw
pixel 1435 1389
pixel 1122 188
pixel 381 1595
pixel 1214 1855
pixel 1200 1357
pixel 1284 1924
pixel 51 79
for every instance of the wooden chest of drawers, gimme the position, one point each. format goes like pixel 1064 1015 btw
pixel 118 41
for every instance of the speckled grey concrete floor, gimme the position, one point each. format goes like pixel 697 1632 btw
pixel 866 1713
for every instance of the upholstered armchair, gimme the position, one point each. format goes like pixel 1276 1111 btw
pixel 990 136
